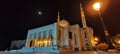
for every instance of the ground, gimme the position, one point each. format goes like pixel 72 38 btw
pixel 79 52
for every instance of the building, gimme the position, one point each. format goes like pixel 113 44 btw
pixel 17 44
pixel 60 37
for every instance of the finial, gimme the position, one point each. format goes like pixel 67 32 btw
pixel 58 14
pixel 81 7
pixel 58 18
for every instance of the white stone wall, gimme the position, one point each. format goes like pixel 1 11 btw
pixel 44 32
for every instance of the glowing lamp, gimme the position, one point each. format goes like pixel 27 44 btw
pixel 96 6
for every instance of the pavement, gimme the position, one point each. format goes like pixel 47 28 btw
pixel 78 52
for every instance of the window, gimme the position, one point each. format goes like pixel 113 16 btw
pixel 44 40
pixel 39 41
pixel 34 41
pixel 29 43
pixel 50 39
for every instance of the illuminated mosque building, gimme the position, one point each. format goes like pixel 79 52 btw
pixel 60 36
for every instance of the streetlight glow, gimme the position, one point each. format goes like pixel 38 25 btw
pixel 96 6
pixel 96 39
pixel 119 42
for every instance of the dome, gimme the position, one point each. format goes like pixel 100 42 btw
pixel 64 23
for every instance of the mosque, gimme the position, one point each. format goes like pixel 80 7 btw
pixel 60 36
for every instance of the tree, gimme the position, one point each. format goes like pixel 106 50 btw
pixel 116 41
pixel 102 46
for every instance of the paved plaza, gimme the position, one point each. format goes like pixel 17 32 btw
pixel 80 52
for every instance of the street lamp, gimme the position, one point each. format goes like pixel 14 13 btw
pixel 96 40
pixel 97 6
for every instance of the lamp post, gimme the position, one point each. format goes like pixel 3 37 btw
pixel 96 6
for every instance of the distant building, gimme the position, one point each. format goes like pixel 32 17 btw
pixel 60 36
pixel 17 44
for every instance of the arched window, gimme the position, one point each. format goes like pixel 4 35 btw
pixel 30 41
pixel 39 41
pixel 44 41
pixel 50 39
pixel 34 41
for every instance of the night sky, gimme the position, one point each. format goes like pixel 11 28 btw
pixel 18 16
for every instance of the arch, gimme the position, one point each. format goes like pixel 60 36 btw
pixel 39 42
pixel 44 40
pixel 44 34
pixel 50 38
pixel 35 41
pixel 39 34
pixel 30 41
pixel 50 32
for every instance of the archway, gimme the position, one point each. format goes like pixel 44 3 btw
pixel 30 42
pixel 44 41
pixel 39 42
pixel 35 41
pixel 50 40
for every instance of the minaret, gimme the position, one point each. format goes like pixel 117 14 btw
pixel 58 17
pixel 87 34
pixel 58 22
pixel 83 17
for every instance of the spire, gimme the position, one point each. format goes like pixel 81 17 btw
pixel 58 18
pixel 83 17
pixel 58 22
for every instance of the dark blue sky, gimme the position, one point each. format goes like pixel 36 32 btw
pixel 18 16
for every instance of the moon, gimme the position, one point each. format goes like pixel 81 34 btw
pixel 39 12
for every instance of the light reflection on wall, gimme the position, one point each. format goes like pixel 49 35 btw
pixel 41 42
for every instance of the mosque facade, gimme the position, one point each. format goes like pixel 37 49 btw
pixel 60 36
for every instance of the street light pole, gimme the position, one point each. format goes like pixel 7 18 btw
pixel 105 30
pixel 97 7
